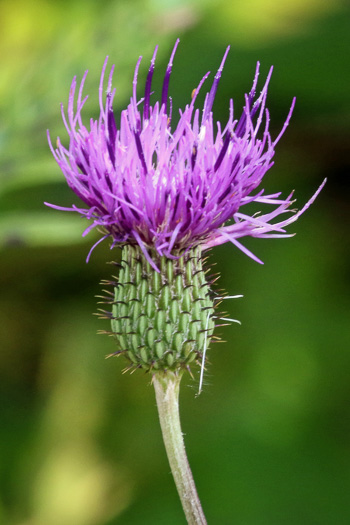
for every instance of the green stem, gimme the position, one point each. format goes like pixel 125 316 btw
pixel 167 387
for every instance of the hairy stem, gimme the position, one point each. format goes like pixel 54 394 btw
pixel 167 387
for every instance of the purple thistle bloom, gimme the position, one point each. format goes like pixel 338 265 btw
pixel 169 190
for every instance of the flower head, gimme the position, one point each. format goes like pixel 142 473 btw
pixel 167 189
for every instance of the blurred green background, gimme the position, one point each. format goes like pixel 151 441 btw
pixel 269 438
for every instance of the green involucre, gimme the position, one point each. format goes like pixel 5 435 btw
pixel 162 320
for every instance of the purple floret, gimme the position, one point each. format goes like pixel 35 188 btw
pixel 166 189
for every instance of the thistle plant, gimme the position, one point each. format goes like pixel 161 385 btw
pixel 165 195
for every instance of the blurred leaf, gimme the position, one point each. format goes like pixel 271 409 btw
pixel 39 229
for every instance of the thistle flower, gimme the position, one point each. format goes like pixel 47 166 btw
pixel 169 190
pixel 165 194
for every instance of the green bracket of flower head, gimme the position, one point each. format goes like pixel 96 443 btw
pixel 162 320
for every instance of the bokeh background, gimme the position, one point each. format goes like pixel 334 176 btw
pixel 269 437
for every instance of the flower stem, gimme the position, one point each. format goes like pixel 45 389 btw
pixel 167 387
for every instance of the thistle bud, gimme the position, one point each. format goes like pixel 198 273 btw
pixel 162 320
